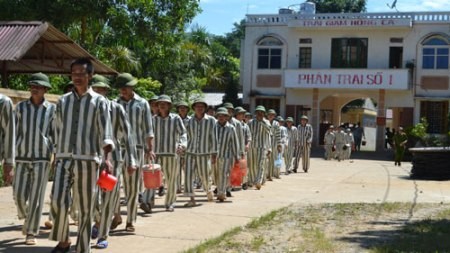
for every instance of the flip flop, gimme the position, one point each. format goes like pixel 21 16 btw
pixel 130 228
pixel 190 204
pixel 30 240
pixel 115 223
pixel 102 244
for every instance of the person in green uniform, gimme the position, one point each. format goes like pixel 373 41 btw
pixel 400 140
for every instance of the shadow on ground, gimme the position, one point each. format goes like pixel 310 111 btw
pixel 419 236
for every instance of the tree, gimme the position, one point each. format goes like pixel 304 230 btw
pixel 338 6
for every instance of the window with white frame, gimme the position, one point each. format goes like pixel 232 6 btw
pixel 269 53
pixel 435 53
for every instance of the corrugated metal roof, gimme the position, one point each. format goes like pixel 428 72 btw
pixel 28 47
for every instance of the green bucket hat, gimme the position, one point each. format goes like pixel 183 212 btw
pixel 239 110
pixel 99 81
pixel 289 119
pixel 304 117
pixel 164 98
pixel 228 105
pixel 199 101
pixel 222 111
pixel 182 103
pixel 153 99
pixel 279 118
pixel 39 79
pixel 271 111
pixel 125 80
pixel 260 108
pixel 248 114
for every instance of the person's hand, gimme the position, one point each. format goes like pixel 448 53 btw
pixel 106 166
pixel 246 148
pixel 268 153
pixel 279 148
pixel 8 174
pixel 180 150
pixel 213 159
pixel 150 155
pixel 131 169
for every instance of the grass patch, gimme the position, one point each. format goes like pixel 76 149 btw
pixel 348 227
pixel 205 246
pixel 256 243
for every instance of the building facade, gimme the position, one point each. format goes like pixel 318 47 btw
pixel 314 64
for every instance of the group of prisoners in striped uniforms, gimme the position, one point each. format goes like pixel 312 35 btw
pixel 129 126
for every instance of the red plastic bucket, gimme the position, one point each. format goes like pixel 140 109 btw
pixel 152 176
pixel 106 181
pixel 243 165
pixel 236 175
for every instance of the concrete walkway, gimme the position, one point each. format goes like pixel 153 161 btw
pixel 371 180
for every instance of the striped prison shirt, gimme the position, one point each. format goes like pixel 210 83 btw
pixel 260 131
pixel 140 118
pixel 123 134
pixel 275 132
pixel 305 134
pixel 35 131
pixel 201 136
pixel 82 126
pixel 227 141
pixel 169 134
pixel 240 134
pixel 7 130
pixel 247 133
pixel 292 134
pixel 283 135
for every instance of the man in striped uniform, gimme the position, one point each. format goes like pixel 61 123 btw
pixel 260 148
pixel 292 134
pixel 153 101
pixel 305 135
pixel 227 151
pixel 201 150
pixel 182 110
pixel 7 138
pixel 83 133
pixel 123 140
pixel 35 141
pixel 349 143
pixel 284 143
pixel 247 137
pixel 276 143
pixel 239 131
pixel 140 118
pixel 170 140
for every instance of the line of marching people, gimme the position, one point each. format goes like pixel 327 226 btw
pixel 338 143
pixel 86 136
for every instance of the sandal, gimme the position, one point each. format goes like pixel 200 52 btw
pixel 116 222
pixel 190 204
pixel 94 232
pixel 130 228
pixel 30 240
pixel 59 249
pixel 102 244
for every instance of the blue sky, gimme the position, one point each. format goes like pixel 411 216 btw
pixel 218 16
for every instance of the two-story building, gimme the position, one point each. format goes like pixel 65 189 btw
pixel 314 64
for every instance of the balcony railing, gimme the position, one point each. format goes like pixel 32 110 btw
pixel 416 17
